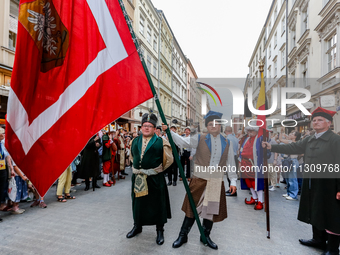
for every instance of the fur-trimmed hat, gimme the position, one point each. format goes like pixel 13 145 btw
pixel 151 118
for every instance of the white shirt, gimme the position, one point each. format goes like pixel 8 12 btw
pixel 317 135
pixel 216 152
pixel 187 149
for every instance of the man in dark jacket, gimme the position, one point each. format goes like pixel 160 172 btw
pixel 150 155
pixel 320 196
pixel 89 166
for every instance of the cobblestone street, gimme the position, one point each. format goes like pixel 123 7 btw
pixel 97 222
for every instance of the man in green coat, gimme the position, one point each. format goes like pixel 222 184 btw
pixel 320 195
pixel 150 155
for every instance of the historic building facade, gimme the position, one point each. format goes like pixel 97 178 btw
pixel 313 28
pixel 9 10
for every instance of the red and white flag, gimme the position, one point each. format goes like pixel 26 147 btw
pixel 76 70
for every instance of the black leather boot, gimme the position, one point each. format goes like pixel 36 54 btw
pixel 160 234
pixel 332 245
pixel 95 186
pixel 183 234
pixel 318 241
pixel 134 231
pixel 207 226
pixel 87 184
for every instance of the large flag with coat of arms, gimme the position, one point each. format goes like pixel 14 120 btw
pixel 76 70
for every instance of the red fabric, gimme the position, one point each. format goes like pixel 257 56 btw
pixel 107 144
pixel 247 153
pixel 107 167
pixel 54 151
pixel 250 182
pixel 319 109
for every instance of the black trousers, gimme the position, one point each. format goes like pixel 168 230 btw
pixel 185 157
pixel 173 172
pixel 3 182
pixel 319 235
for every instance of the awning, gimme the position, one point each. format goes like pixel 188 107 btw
pixel 127 120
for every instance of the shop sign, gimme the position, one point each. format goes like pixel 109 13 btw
pixel 295 116
pixel 327 101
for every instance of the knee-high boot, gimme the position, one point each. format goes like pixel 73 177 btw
pixel 332 245
pixel 318 241
pixel 160 234
pixel 183 234
pixel 207 226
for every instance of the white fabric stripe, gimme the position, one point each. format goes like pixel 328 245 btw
pixel 107 58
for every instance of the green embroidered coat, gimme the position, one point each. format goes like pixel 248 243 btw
pixel 318 203
pixel 154 208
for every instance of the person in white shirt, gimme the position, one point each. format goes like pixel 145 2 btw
pixel 214 155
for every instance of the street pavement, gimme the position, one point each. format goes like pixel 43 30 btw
pixel 97 223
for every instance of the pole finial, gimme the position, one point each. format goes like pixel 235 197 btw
pixel 261 65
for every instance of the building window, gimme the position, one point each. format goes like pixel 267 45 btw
pixel 283 25
pixel 155 68
pixel 13 24
pixel 12 40
pixel 270 50
pixel 275 68
pixel 149 63
pixel 260 52
pixel 304 21
pixel 141 25
pixel 148 36
pixel 275 13
pixel 14 8
pixel 293 80
pixel 155 42
pixel 269 27
pixel 304 73
pixel 293 38
pixel 331 52
pixel 269 72
pixel 264 43
pixel 283 58
pixel 275 39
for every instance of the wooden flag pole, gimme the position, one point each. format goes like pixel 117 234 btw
pixel 265 163
pixel 191 200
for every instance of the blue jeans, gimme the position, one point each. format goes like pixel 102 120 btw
pixel 292 182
